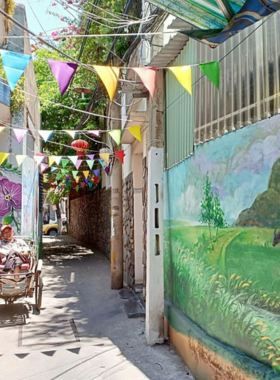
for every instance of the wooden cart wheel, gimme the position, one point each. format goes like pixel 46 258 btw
pixel 38 291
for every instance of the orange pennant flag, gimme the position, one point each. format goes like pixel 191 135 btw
pixel 109 76
pixel 120 155
pixel 148 77
pixel 136 132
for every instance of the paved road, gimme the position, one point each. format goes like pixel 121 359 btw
pixel 82 331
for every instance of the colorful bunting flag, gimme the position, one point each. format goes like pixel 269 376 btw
pixel 63 72
pixel 95 180
pixel 64 162
pixel 83 184
pixel 19 133
pixel 51 160
pixel 107 169
pixel 109 76
pixel 86 173
pixel 90 163
pixel 105 157
pixel 93 132
pixel 43 167
pixel 20 158
pixel 57 159
pixel 120 155
pixel 53 168
pixel 46 135
pixel 86 180
pixel 116 135
pixel 14 66
pixel 184 76
pixel 212 71
pixel 148 77
pixel 78 163
pixel 136 132
pixel 71 133
pixel 101 163
pixel 38 159
pixel 1 129
pixel 90 185
pixel 90 156
pixel 74 173
pixel 96 172
pixel 3 157
pixel 73 159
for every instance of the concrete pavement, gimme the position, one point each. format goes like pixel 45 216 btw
pixel 82 331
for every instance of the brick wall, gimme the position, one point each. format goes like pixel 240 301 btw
pixel 90 221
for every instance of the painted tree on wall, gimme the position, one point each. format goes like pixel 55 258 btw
pixel 211 212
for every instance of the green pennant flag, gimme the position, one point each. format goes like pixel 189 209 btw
pixel 64 162
pixel 64 171
pixel 116 135
pixel 212 71
pixel 90 163
pixel 74 173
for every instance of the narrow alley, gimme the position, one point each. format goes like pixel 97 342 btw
pixel 82 331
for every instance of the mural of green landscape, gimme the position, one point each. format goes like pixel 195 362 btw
pixel 222 239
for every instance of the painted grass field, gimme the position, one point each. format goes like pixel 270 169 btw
pixel 226 289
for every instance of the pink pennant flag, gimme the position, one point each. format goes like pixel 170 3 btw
pixel 19 133
pixel 83 184
pixel 63 72
pixel 148 77
pixel 43 167
pixel 78 163
pixel 90 156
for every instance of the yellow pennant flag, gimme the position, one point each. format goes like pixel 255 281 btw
pixel 3 157
pixel 77 178
pixel 1 129
pixel 105 157
pixel 136 132
pixel 184 76
pixel 109 76
pixel 51 160
pixel 86 173
pixel 20 158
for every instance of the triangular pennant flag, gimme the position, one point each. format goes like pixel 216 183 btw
pixel 136 132
pixel 96 172
pixel 107 169
pixel 3 157
pixel 148 77
pixel 212 71
pixel 67 183
pixel 46 135
pixel 90 156
pixel 20 158
pixel 75 172
pixel 73 159
pixel 1 129
pixel 86 173
pixel 120 155
pixel 90 185
pixel 63 72
pixel 38 159
pixel 101 163
pixel 48 353
pixel 57 159
pixel 95 180
pixel 43 167
pixel 83 184
pixel 116 135
pixel 71 133
pixel 109 76
pixel 14 66
pixel 90 163
pixel 86 180
pixel 77 178
pixel 78 163
pixel 184 76
pixel 19 133
pixel 105 157
pixel 64 162
pixel 53 168
pixel 63 171
pixel 51 160
pixel 95 132
pixel 77 188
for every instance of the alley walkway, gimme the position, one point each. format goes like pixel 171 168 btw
pixel 82 331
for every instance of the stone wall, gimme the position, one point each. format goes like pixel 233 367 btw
pixel 128 231
pixel 144 218
pixel 90 220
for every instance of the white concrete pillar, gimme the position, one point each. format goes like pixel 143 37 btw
pixel 155 289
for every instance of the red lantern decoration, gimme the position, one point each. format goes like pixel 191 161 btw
pixel 80 146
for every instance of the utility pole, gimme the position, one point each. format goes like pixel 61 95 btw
pixel 116 211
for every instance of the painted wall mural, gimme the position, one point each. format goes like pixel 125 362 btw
pixel 222 239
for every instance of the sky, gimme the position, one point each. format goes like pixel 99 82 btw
pixel 47 21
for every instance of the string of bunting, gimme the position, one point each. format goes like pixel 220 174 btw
pixel 15 64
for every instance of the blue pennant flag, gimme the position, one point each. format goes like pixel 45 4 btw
pixel 96 172
pixel 53 168
pixel 102 163
pixel 14 66
pixel 90 184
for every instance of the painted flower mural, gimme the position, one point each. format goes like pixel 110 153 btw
pixel 10 201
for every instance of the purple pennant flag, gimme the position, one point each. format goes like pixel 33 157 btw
pixel 63 72
pixel 86 180
pixel 90 156
pixel 96 172
pixel 107 169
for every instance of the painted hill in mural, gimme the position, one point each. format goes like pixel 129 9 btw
pixel 265 210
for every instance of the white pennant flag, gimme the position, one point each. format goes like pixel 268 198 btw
pixel 38 159
pixel 95 132
pixel 71 133
pixel 57 159
pixel 20 158
pixel 73 159
pixel 45 134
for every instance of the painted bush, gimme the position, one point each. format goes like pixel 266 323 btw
pixel 221 268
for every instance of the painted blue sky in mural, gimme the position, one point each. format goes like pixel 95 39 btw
pixel 239 166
